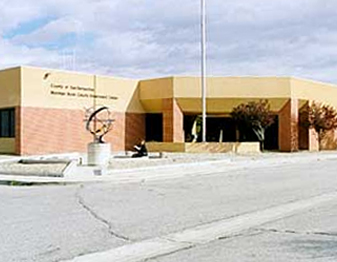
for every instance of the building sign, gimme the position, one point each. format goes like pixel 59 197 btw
pixel 77 92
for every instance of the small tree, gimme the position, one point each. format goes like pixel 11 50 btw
pixel 321 117
pixel 253 116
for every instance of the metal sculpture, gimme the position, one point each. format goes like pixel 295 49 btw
pixel 99 122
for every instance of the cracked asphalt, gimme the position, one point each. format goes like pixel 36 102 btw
pixel 95 215
pixel 53 223
pixel 310 236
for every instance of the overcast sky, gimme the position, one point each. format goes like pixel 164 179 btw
pixel 151 38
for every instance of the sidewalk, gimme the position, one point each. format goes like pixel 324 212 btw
pixel 196 165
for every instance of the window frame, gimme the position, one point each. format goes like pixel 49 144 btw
pixel 9 130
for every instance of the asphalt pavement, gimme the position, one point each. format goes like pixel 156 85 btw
pixel 54 223
pixel 306 237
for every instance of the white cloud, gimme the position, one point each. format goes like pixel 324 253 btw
pixel 50 32
pixel 148 38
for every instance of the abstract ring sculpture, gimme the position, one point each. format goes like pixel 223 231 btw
pixel 99 122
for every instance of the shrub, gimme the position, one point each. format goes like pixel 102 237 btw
pixel 319 116
pixel 253 116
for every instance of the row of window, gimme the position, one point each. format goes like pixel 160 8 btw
pixel 7 122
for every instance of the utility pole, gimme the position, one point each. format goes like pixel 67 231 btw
pixel 203 68
pixel 95 105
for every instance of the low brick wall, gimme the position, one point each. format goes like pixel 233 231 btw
pixel 211 147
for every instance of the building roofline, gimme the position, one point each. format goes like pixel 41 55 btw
pixel 231 76
pixel 313 81
pixel 10 68
pixel 75 72
pixel 251 76
pixel 157 78
pixel 168 77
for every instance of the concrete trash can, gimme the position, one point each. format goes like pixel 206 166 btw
pixel 99 154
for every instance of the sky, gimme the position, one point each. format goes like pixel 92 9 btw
pixel 155 38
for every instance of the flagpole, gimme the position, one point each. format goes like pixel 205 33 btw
pixel 203 67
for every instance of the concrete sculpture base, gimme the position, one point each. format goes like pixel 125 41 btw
pixel 99 154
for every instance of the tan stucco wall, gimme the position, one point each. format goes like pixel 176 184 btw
pixel 7 145
pixel 156 88
pixel 311 90
pixel 10 87
pixel 152 91
pixel 233 87
pixel 69 90
pixel 10 96
pixel 223 105
pixel 223 93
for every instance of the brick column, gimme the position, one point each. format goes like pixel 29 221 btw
pixel 313 140
pixel 308 137
pixel 134 129
pixel 18 131
pixel 173 121
pixel 288 126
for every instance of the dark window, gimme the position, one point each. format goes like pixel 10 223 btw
pixel 220 125
pixel 271 136
pixel 7 122
pixel 154 127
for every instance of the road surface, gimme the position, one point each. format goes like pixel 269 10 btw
pixel 54 223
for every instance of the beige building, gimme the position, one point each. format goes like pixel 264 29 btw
pixel 43 110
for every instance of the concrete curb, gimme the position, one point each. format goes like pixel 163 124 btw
pixel 71 156
pixel 90 174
